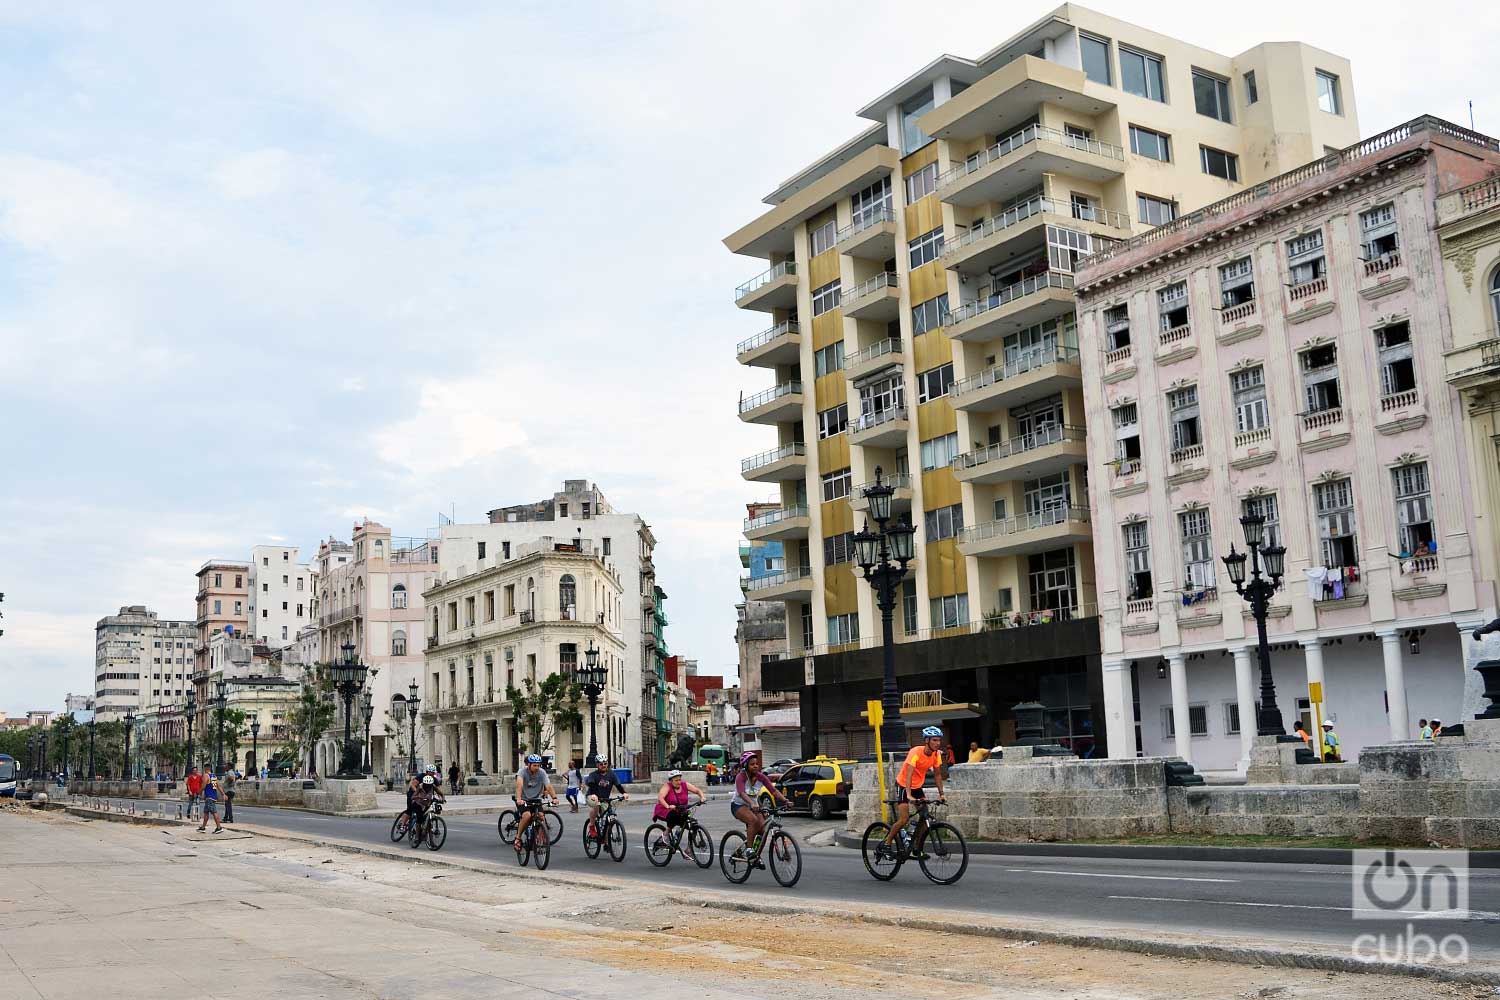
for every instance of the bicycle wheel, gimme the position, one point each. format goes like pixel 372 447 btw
pixel 614 838
pixel 786 858
pixel 554 827
pixel 659 847
pixel 397 830
pixel 701 846
pixel 437 834
pixel 541 846
pixel 592 844
pixel 414 832
pixel 887 865
pixel 947 856
pixel 507 824
pixel 733 861
pixel 523 853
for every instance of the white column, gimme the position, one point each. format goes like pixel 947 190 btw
pixel 1180 722
pixel 1395 685
pixel 1312 649
pixel 1119 709
pixel 1244 693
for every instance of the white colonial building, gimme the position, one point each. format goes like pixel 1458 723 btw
pixel 282 594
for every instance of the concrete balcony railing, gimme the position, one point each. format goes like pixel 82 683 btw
pixel 986 176
pixel 788 462
pixel 1169 339
pixel 1245 439
pixel 774 288
pixel 1399 400
pixel 1473 198
pixel 1029 374
pixel 1307 289
pixel 1044 452
pixel 881 428
pixel 1024 303
pixel 1322 419
pixel 1035 532
pixel 1383 264
pixel 780 345
pixel 873 358
pixel 1117 356
pixel 774 405
pixel 1233 314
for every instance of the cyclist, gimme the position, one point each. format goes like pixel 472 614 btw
pixel 532 785
pixel 920 760
pixel 742 804
pixel 411 789
pixel 598 786
pixel 428 792
pixel 672 802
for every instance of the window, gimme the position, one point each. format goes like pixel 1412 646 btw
pixel 562 510
pixel 1154 211
pixel 1065 247
pixel 1047 499
pixel 929 315
pixel 505 550
pixel 934 383
pixel 1082 206
pixel 1334 502
pixel 1248 386
pixel 265 588
pixel 1127 434
pixel 1095 58
pixel 838 549
pixel 299 611
pixel 1397 373
pixel 1136 539
pixel 836 485
pixel 842 629
pixel 1495 298
pixel 1378 229
pixel 468 611
pixel 1197 721
pixel 1211 95
pixel 239 607
pixel 833 421
pixel 807 627
pixel 1237 283
pixel 606 545
pixel 926 248
pixel 398 596
pixel 912 137
pixel 510 599
pixel 921 183
pixel 1140 74
pixel 825 298
pixel 938 452
pixel 1219 163
pixel 1266 506
pixel 480 551
pixel 830 359
pixel 1117 327
pixel 299 584
pixel 1320 379
pixel 883 396
pixel 945 522
pixel 1172 304
pixel 908 606
pixel 1183 404
pixel 398 643
pixel 489 605
pixel 1413 508
pixel 950 611
pixel 1155 145
pixel 218 579
pixel 1305 257
pixel 1328 93
pixel 1052 580
pixel 1251 94
pixel 871 202
pixel 283 605
pixel 823 237
pixel 217 605
pixel 1197 549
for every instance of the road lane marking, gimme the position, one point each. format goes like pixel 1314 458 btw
pixel 1150 878
pixel 1412 914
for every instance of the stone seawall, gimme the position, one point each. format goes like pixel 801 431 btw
pixel 1265 810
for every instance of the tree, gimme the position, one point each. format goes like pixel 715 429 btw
pixel 173 752
pixel 542 709
pixel 398 735
pixel 311 715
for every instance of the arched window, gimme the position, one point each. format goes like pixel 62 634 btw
pixel 1495 299
pixel 398 642
pixel 531 594
pixel 398 596
pixel 567 596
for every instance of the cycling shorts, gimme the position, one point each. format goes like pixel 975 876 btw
pixel 904 794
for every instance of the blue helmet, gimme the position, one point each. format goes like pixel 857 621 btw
pixel 932 731
pixel 532 758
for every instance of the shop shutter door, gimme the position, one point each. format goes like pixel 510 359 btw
pixel 781 743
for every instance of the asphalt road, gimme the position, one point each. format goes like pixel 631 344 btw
pixel 1260 901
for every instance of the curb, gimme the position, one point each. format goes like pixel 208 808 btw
pixel 1334 856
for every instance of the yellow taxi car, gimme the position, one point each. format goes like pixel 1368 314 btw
pixel 819 786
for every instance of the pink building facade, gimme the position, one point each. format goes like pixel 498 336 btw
pixel 1282 352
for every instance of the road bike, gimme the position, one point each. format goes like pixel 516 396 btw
pixel 536 842
pixel 689 837
pixel 607 833
pixel 509 819
pixel 737 859
pixel 431 829
pixel 938 847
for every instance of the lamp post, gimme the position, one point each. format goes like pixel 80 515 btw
pixel 592 678
pixel 31 756
pixel 348 678
pixel 92 723
pixel 41 744
pixel 413 706
pixel 255 745
pixel 1257 592
pixel 125 771
pixel 367 709
pixel 64 737
pixel 221 699
pixel 883 555
pixel 192 710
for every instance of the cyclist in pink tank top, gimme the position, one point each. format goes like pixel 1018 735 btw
pixel 672 800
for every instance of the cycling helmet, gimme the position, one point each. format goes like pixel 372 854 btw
pixel 932 731
pixel 532 758
pixel 602 762
pixel 748 756
pixel 427 779
pixel 674 773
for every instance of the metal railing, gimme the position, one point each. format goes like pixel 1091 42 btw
pixel 869 421
pixel 1027 361
pixel 993 622
pixel 868 219
pixel 748 403
pixel 1047 518
pixel 1020 140
pixel 775 579
pixel 1029 209
pixel 871 286
pixel 896 480
pixel 773 456
pixel 1049 435
pixel 342 614
pixel 775 517
pixel 783 329
pixel 890 345
pixel 786 267
pixel 1010 293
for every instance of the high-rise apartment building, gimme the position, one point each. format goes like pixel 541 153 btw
pixel 282 594
pixel 140 662
pixel 922 323
pixel 760 626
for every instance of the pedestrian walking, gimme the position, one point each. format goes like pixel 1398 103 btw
pixel 453 776
pixel 211 792
pixel 195 792
pixel 574 779
pixel 230 780
pixel 1437 728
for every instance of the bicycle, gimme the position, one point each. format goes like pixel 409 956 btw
pixel 399 826
pixel 537 843
pixel 737 859
pixel 509 819
pixel 944 860
pixel 431 829
pixel 663 841
pixel 609 834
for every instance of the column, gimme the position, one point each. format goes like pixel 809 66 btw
pixel 1244 695
pixel 1395 685
pixel 1119 709
pixel 1181 724
pixel 1312 649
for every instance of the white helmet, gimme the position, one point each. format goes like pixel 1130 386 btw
pixel 674 773
pixel 427 779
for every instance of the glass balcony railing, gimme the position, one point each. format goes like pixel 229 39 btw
pixel 1017 141
pixel 1022 363
pixel 775 517
pixel 783 329
pixel 763 279
pixel 1010 293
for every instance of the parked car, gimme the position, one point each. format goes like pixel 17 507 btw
pixel 776 769
pixel 819 786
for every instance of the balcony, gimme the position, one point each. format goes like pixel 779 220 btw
pixel 792 585
pixel 1035 150
pixel 1051 528
pixel 528 617
pixel 872 236
pixel 432 642
pixel 873 358
pixel 900 500
pixel 782 464
pixel 1020 227
pixel 1000 311
pixel 1231 315
pixel 880 429
pixel 1013 92
pixel 1042 453
pixel 1322 429
pixel 341 615
pixel 1030 375
pixel 778 404
pixel 775 288
pixel 788 522
pixel 780 345
pixel 878 298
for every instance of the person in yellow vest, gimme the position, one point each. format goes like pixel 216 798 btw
pixel 1330 743
pixel 1424 731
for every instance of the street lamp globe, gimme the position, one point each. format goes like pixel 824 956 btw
pixel 411 693
pixel 1254 527
pixel 1235 563
pixel 255 729
pixel 903 542
pixel 867 548
pixel 1275 558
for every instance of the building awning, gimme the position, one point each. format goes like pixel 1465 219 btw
pixel 923 708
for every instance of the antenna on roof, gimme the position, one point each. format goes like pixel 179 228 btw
pixel 1471 114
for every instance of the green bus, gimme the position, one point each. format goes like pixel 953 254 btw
pixel 712 753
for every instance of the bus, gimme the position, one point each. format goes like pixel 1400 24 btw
pixel 712 753
pixel 7 776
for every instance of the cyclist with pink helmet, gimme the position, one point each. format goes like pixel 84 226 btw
pixel 742 805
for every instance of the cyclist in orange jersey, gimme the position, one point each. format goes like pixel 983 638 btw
pixel 919 760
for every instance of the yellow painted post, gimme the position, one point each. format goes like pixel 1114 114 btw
pixel 877 716
pixel 1315 697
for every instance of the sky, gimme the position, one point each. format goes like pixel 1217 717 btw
pixel 266 269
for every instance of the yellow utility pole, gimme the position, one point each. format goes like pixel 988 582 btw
pixel 877 716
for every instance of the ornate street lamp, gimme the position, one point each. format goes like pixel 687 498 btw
pixel 125 769
pixel 883 555
pixel 64 736
pixel 220 701
pixel 592 678
pixel 255 746
pixel 348 677
pixel 413 705
pixel 1257 592
pixel 93 721
pixel 192 710
pixel 31 756
pixel 367 709
pixel 41 745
